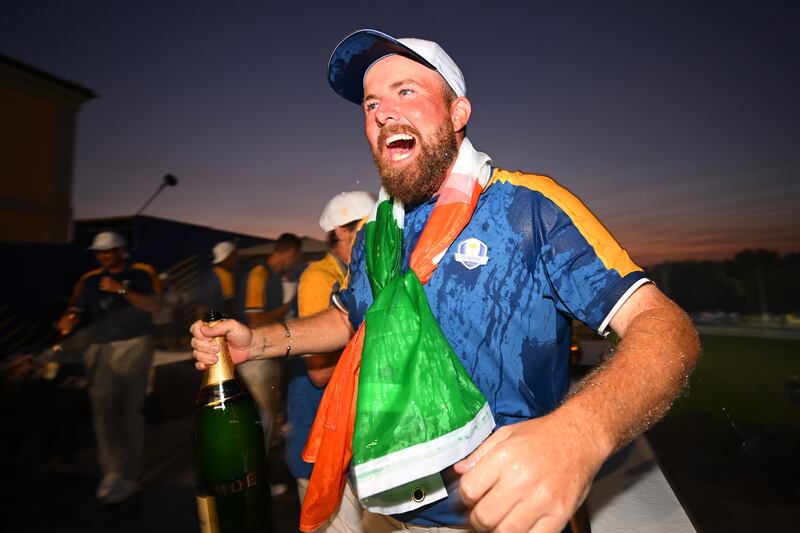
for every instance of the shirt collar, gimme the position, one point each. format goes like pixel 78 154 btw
pixel 469 162
pixel 473 163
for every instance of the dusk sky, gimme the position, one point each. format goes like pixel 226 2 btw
pixel 677 123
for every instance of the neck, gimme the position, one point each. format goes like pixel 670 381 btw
pixel 341 251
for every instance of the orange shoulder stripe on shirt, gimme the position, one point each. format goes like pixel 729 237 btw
pixel 153 275
pixel 79 285
pixel 90 273
pixel 610 253
pixel 225 282
pixel 256 282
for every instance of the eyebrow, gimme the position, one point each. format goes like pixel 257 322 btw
pixel 395 85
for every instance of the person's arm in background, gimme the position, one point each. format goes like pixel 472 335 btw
pixel 534 474
pixel 68 321
pixel 143 294
pixel 140 300
pixel 78 302
pixel 255 306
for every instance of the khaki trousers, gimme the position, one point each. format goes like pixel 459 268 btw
pixel 264 380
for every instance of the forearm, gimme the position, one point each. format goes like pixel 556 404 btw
pixel 638 384
pixel 145 302
pixel 325 332
pixel 320 367
pixel 68 321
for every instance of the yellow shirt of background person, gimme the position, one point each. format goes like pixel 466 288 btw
pixel 341 219
pixel 316 284
pixel 314 295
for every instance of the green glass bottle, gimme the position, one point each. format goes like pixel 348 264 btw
pixel 230 459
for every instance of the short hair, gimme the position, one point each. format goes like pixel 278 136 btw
pixel 449 94
pixel 450 97
pixel 287 241
pixel 350 226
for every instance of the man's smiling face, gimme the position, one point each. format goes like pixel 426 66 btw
pixel 409 127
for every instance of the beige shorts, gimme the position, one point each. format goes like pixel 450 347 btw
pixel 352 518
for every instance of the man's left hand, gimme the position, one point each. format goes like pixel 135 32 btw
pixel 529 476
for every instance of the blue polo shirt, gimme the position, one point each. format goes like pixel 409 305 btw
pixel 314 290
pixel 531 259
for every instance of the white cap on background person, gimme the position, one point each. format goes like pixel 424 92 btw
pixel 344 208
pixel 107 240
pixel 353 57
pixel 222 250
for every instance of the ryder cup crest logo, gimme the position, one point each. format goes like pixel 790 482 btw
pixel 472 253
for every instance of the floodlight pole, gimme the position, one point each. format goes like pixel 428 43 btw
pixel 169 181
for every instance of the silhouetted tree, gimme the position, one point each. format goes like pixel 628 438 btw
pixel 753 282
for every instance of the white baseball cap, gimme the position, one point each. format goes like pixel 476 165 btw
pixel 107 240
pixel 352 58
pixel 222 250
pixel 344 208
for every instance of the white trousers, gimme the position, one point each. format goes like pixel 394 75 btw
pixel 118 381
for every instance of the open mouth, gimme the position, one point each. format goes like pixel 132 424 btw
pixel 400 146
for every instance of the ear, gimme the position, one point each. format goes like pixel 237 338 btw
pixel 460 110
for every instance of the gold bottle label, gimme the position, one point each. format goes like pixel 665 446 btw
pixel 222 370
pixel 250 479
pixel 207 513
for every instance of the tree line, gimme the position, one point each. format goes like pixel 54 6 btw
pixel 753 282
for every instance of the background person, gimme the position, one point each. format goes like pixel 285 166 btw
pixel 264 304
pixel 117 301
pixel 221 287
pixel 309 374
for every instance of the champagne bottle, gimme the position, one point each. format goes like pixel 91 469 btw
pixel 230 458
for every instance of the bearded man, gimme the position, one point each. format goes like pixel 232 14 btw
pixel 489 267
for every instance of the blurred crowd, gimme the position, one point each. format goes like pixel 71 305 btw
pixel 124 312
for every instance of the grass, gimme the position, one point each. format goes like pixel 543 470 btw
pixel 744 380
pixel 729 446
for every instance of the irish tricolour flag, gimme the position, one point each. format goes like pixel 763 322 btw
pixel 418 411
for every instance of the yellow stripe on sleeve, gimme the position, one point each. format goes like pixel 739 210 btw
pixel 152 273
pixel 610 253
pixel 225 282
pixel 76 291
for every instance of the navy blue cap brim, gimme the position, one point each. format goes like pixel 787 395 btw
pixel 356 53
